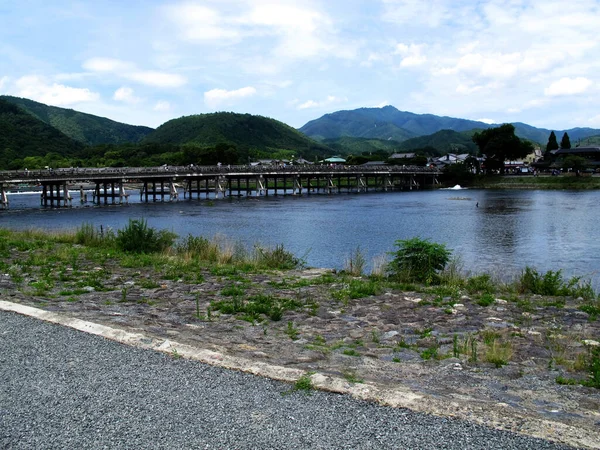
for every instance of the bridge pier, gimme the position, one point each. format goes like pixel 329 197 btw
pixel 3 197
pixel 221 186
pixel 260 186
pixel 297 190
pixel 109 190
pixel 55 191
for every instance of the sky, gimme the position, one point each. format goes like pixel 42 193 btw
pixel 144 62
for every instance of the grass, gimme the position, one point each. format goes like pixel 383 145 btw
pixel 592 309
pixel 304 383
pixel 430 353
pixel 591 367
pixel 292 331
pixel 256 307
pixel 485 300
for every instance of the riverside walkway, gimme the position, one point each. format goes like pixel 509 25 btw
pixel 70 390
pixel 110 184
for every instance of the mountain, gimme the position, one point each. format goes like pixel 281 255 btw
pixel 85 128
pixel 383 123
pixel 390 123
pixel 352 145
pixel 245 131
pixel 444 141
pixel 22 135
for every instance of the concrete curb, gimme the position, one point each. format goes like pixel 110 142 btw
pixel 497 415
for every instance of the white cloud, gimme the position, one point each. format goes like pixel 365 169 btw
pixel 218 97
pixel 286 29
pixel 330 100
pixel 411 55
pixel 200 23
pixel 37 88
pixel 162 106
pixel 157 79
pixel 568 86
pixel 129 71
pixel 107 65
pixel 488 121
pixel 431 13
pixel 3 81
pixel 125 94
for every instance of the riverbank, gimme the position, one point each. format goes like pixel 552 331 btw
pixel 563 181
pixel 470 348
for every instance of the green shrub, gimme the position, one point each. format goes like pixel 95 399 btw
pixel 552 283
pixel 419 260
pixel 138 237
pixel 480 283
pixel 486 300
pixel 275 258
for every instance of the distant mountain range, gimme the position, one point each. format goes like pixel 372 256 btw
pixel 32 129
pixel 389 123
pixel 84 128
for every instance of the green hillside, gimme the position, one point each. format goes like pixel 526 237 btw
pixel 260 137
pixel 23 136
pixel 390 123
pixel 85 128
pixel 346 145
pixel 444 141
pixel 588 141
pixel 383 123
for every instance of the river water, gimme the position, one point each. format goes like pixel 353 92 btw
pixel 495 231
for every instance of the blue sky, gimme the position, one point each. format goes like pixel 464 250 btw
pixel 145 62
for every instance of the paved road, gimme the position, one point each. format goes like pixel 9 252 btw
pixel 61 388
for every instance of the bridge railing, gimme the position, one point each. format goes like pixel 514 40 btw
pixel 136 172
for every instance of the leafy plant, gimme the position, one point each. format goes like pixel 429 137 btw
pixel 275 258
pixel 485 300
pixel 355 263
pixel 431 352
pixel 419 260
pixel 480 283
pixel 552 283
pixel 292 331
pixel 304 383
pixel 138 237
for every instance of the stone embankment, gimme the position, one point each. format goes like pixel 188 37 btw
pixel 440 350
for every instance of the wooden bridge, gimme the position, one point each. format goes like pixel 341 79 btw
pixel 110 184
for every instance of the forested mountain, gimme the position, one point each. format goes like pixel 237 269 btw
pixel 85 128
pixel 260 136
pixel 23 136
pixel 390 123
pixel 383 123
pixel 444 141
pixel 352 145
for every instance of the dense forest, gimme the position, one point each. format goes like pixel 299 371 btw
pixel 85 128
pixel 255 136
pixel 26 140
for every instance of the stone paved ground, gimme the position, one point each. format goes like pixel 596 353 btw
pixel 421 341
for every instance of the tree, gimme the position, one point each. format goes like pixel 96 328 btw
pixel 472 164
pixel 552 142
pixel 575 163
pixel 499 144
pixel 565 142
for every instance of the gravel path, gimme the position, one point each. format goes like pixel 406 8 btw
pixel 61 388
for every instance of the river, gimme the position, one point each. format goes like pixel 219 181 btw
pixel 500 232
